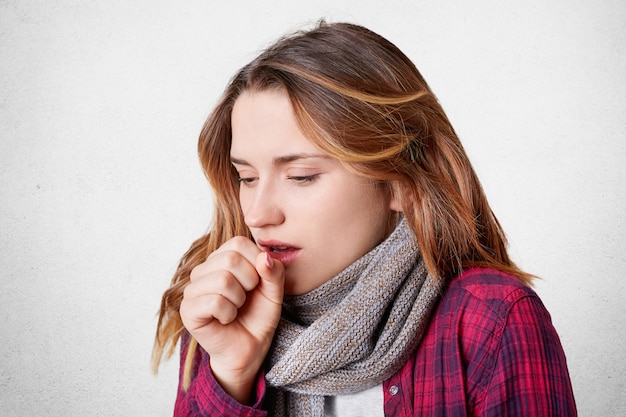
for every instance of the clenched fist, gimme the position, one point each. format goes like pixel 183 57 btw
pixel 232 306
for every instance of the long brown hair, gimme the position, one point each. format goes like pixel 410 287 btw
pixel 362 101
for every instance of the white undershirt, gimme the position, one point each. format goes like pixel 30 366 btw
pixel 368 403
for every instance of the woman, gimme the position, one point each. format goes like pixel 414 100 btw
pixel 354 266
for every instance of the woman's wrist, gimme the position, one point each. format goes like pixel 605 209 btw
pixel 239 385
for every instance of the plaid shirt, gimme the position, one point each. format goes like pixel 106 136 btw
pixel 490 350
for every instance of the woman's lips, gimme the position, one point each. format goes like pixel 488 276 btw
pixel 283 252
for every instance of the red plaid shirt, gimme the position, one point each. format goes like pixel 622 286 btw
pixel 490 350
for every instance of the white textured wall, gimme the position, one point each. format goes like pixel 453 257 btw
pixel 100 106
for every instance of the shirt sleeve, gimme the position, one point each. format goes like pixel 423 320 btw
pixel 530 376
pixel 205 396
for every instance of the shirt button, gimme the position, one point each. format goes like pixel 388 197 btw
pixel 393 390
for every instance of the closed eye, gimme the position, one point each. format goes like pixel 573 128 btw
pixel 247 181
pixel 303 179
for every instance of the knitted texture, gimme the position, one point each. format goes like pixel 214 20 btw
pixel 353 332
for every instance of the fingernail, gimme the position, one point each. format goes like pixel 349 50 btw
pixel 269 261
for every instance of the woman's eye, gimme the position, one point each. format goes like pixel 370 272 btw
pixel 247 181
pixel 303 179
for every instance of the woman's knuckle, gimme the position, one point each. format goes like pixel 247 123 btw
pixel 239 243
pixel 231 259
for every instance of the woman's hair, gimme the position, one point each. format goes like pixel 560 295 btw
pixel 359 99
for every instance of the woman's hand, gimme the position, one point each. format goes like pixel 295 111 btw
pixel 232 306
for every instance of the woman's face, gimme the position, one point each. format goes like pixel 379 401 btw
pixel 303 207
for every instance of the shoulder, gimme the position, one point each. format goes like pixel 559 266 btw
pixel 488 284
pixel 480 306
pixel 488 291
pixel 506 343
pixel 488 312
pixel 489 340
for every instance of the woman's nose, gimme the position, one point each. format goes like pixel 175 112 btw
pixel 261 207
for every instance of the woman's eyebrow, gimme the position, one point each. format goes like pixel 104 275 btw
pixel 238 161
pixel 279 160
pixel 297 156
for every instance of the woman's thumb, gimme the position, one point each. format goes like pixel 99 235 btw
pixel 272 274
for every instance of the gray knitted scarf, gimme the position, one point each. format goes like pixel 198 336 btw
pixel 353 332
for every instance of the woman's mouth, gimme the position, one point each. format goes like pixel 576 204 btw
pixel 286 254
pixel 280 249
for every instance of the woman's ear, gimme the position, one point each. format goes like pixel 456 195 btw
pixel 395 202
pixel 395 205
